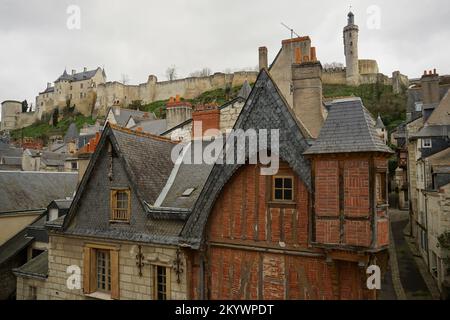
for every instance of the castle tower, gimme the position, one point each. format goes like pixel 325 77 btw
pixel 351 50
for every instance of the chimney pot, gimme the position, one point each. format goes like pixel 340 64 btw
pixel 85 69
pixel 73 71
pixel 263 60
pixel 313 54
pixel 298 55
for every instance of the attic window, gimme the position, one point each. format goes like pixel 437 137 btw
pixel 188 192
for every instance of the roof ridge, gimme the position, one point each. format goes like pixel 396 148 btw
pixel 141 134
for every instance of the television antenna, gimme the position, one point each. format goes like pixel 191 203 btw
pixel 291 30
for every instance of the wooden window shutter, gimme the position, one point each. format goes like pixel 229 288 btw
pixel 115 290
pixel 88 281
pixel 113 203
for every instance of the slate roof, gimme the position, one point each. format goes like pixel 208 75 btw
pixel 148 157
pixel 441 115
pixel 85 75
pixel 53 159
pixel 441 158
pixel 48 90
pixel 379 124
pixel 349 127
pixel 152 126
pixel 14 245
pixel 245 90
pixel 72 133
pixel 25 191
pixel 432 131
pixel 265 108
pixel 147 160
pixel 184 176
pixel 36 268
pixel 124 115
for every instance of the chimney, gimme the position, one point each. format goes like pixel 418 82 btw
pixel 74 71
pixel 177 111
pixel 208 116
pixel 117 111
pixel 263 61
pixel 84 69
pixel 430 88
pixel 49 85
pixel 85 153
pixel 307 95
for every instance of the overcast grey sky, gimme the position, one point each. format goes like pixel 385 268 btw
pixel 139 38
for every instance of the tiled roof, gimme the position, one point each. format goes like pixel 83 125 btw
pixel 37 267
pixel 24 191
pixel 349 127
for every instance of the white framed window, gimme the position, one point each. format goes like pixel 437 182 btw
pixel 419 106
pixel 426 143
pixel 52 214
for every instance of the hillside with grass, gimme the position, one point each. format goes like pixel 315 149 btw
pixel 379 99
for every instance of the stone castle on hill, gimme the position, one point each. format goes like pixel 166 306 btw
pixel 90 93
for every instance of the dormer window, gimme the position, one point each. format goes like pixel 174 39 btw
pixel 53 214
pixel 426 143
pixel 120 205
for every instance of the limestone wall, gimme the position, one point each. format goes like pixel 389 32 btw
pixel 152 90
pixel 66 251
pixel 229 115
pixel 25 119
pixel 368 67
pixel 23 288
pixel 334 77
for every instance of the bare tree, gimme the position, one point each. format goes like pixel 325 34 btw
pixel 333 66
pixel 125 78
pixel 205 72
pixel 171 73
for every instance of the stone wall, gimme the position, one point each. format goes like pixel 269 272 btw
pixel 23 288
pixel 153 90
pixel 229 115
pixel 334 77
pixel 66 251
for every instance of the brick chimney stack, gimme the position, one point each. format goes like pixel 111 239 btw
pixel 263 60
pixel 307 91
pixel 209 117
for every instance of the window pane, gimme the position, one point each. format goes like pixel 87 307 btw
pixel 288 183
pixel 103 271
pixel 279 194
pixel 287 194
pixel 278 183
pixel 161 285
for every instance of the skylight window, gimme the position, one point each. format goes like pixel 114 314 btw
pixel 188 192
